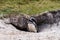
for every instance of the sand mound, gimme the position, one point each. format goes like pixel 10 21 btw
pixel 47 32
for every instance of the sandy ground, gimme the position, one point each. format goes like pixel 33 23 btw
pixel 47 32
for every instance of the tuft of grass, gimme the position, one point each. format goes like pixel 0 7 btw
pixel 28 6
pixel 38 7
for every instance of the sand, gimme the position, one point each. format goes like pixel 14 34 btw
pixel 47 32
